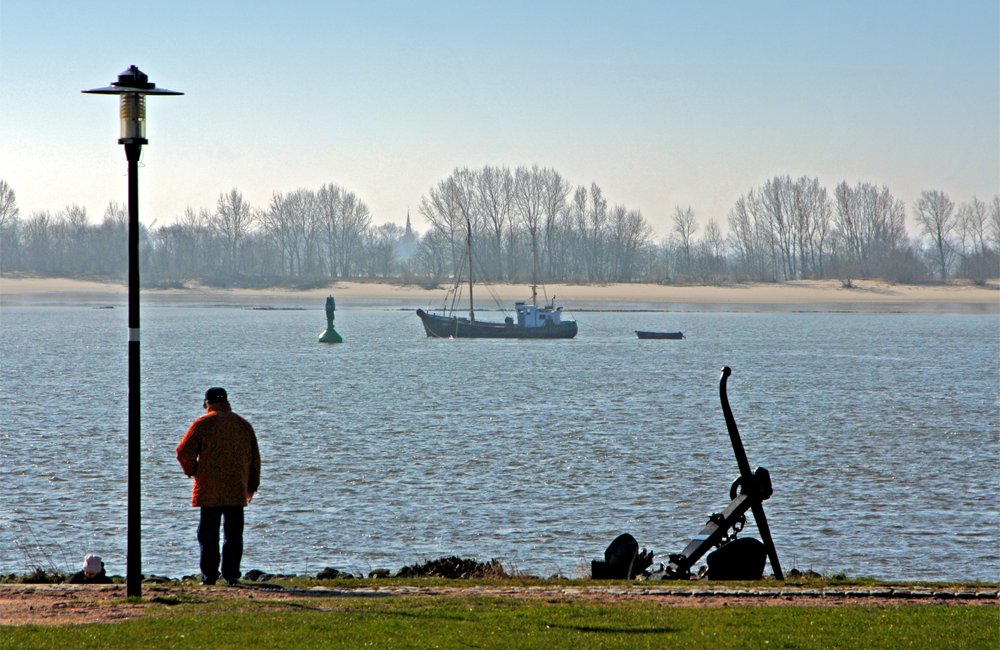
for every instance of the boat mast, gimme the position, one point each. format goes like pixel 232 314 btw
pixel 534 271
pixel 468 248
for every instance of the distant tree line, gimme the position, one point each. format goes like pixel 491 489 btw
pixel 526 224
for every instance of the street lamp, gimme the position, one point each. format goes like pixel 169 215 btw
pixel 133 86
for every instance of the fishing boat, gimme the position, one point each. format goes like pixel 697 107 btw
pixel 659 335
pixel 532 321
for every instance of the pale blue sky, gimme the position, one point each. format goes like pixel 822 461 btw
pixel 660 103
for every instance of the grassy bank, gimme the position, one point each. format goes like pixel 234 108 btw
pixel 247 618
pixel 458 622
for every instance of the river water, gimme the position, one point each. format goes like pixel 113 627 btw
pixel 881 433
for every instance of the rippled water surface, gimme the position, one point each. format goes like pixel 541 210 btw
pixel 881 433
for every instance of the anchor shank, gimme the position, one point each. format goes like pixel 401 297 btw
pixel 734 432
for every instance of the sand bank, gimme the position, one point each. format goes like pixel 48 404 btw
pixel 826 295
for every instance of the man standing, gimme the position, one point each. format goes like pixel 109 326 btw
pixel 220 451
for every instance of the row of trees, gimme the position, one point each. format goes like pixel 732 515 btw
pixel 301 234
pixel 790 229
pixel 532 224
pixel 524 223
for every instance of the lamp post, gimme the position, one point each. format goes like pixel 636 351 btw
pixel 133 86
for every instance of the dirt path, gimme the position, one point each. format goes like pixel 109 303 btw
pixel 75 604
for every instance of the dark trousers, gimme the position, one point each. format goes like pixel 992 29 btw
pixel 231 518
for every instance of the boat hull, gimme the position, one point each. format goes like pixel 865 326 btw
pixel 659 335
pixel 462 328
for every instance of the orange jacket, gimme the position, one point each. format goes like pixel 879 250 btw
pixel 220 452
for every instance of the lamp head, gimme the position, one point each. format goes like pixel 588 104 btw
pixel 132 86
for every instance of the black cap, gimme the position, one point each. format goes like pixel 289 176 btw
pixel 213 395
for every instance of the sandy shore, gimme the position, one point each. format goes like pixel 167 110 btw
pixel 826 295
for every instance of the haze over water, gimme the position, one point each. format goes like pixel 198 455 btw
pixel 880 432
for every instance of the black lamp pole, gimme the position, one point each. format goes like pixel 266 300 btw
pixel 133 86
pixel 133 568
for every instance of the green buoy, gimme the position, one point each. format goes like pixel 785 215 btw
pixel 330 335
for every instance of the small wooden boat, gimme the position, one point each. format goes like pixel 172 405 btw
pixel 659 335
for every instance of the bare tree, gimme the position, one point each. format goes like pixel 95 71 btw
pixel 663 264
pixel 200 224
pixel 303 217
pixel 684 227
pixel 357 219
pixel 935 213
pixel 776 197
pixel 329 200
pixel 232 221
pixel 39 242
pixel 750 237
pixel 590 210
pixel 432 255
pixel 276 222
pixel 711 251
pixel 871 224
pixel 597 230
pixel 72 230
pixel 810 217
pixel 380 259
pixel 343 221
pixel 440 208
pixel 110 240
pixel 979 261
pixel 529 199
pixel 8 205
pixel 10 230
pixel 177 252
pixel 566 247
pixel 555 191
pixel 629 232
pixel 994 223
pixel 973 224
pixel 714 239
pixel 181 250
pixel 495 190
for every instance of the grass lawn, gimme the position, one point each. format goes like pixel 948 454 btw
pixel 501 622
